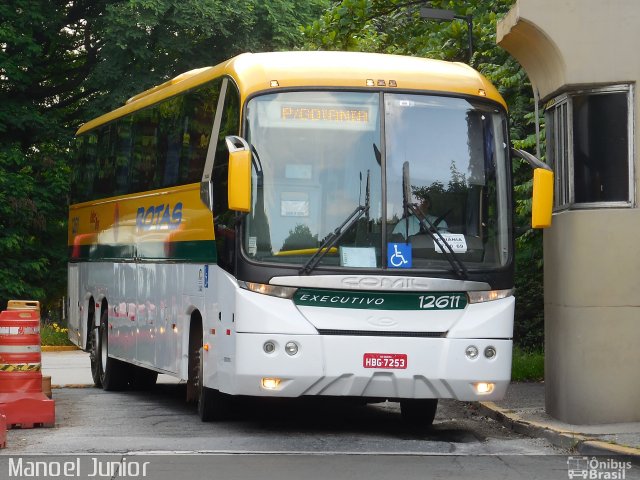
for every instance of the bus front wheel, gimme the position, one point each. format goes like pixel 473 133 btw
pixel 212 405
pixel 419 412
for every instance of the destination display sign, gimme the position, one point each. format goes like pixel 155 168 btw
pixel 324 113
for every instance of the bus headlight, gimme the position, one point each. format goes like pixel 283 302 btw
pixel 481 296
pixel 265 289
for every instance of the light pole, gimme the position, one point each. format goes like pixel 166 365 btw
pixel 449 15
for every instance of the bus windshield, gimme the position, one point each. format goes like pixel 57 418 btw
pixel 324 155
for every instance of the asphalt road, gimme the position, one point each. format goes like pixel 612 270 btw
pixel 264 439
pixel 90 421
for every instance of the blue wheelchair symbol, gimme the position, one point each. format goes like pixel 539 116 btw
pixel 399 255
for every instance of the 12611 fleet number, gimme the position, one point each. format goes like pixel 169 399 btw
pixel 441 302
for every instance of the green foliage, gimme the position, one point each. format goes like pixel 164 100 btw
pixel 54 334
pixel 395 26
pixel 527 365
pixel 33 188
pixel 143 43
pixel 300 237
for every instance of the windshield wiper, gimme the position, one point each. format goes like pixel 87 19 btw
pixel 339 232
pixel 456 264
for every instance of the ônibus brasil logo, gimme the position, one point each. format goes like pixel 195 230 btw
pixel 597 468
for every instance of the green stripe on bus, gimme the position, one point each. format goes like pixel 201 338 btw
pixel 198 251
pixel 380 300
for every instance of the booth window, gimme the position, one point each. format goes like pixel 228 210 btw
pixel 590 147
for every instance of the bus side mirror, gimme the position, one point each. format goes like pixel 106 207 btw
pixel 239 177
pixel 542 201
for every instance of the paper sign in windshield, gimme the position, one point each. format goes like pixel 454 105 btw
pixel 455 240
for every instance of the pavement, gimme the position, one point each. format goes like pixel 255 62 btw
pixel 71 368
pixel 522 410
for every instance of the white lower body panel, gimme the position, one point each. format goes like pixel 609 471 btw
pixel 333 366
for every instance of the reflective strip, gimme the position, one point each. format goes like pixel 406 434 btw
pixel 20 367
pixel 19 330
pixel 20 348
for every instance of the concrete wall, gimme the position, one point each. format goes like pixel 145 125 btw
pixel 592 316
pixel 569 42
pixel 591 257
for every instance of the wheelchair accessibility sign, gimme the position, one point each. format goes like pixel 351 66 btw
pixel 399 255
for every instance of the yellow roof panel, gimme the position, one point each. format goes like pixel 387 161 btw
pixel 254 72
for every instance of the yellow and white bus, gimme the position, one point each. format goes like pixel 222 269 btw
pixel 301 223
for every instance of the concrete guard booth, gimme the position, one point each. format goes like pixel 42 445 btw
pixel 583 60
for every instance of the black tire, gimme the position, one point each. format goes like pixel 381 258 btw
pixel 143 378
pixel 211 404
pixel 114 374
pixel 419 413
pixel 92 348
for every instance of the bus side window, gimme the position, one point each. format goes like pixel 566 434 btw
pixel 79 164
pixel 85 171
pixel 122 150
pixel 105 175
pixel 171 129
pixel 143 158
pixel 196 121
pixel 224 218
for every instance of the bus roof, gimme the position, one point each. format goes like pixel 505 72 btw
pixel 255 72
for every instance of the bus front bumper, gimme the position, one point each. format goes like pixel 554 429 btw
pixel 342 366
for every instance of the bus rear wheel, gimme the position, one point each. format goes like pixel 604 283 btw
pixel 114 374
pixel 419 412
pixel 92 348
pixel 142 378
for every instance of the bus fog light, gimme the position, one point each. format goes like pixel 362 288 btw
pixel 471 352
pixel 291 348
pixel 270 383
pixel 269 347
pixel 484 388
pixel 490 352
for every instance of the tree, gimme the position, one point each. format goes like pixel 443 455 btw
pixel 65 62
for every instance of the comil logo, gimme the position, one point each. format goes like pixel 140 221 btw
pixel 597 468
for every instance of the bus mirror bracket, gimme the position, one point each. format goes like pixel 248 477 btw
pixel 206 194
pixel 542 200
pixel 239 176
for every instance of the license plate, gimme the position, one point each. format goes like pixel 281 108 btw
pixel 385 360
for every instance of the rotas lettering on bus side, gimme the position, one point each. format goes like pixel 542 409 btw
pixel 159 217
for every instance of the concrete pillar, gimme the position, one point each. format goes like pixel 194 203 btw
pixel 591 255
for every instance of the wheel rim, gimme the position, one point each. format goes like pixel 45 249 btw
pixel 95 347
pixel 104 342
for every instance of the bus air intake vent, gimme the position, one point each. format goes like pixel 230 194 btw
pixel 382 333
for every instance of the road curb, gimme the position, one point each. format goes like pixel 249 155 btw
pixel 567 439
pixel 72 385
pixel 58 348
